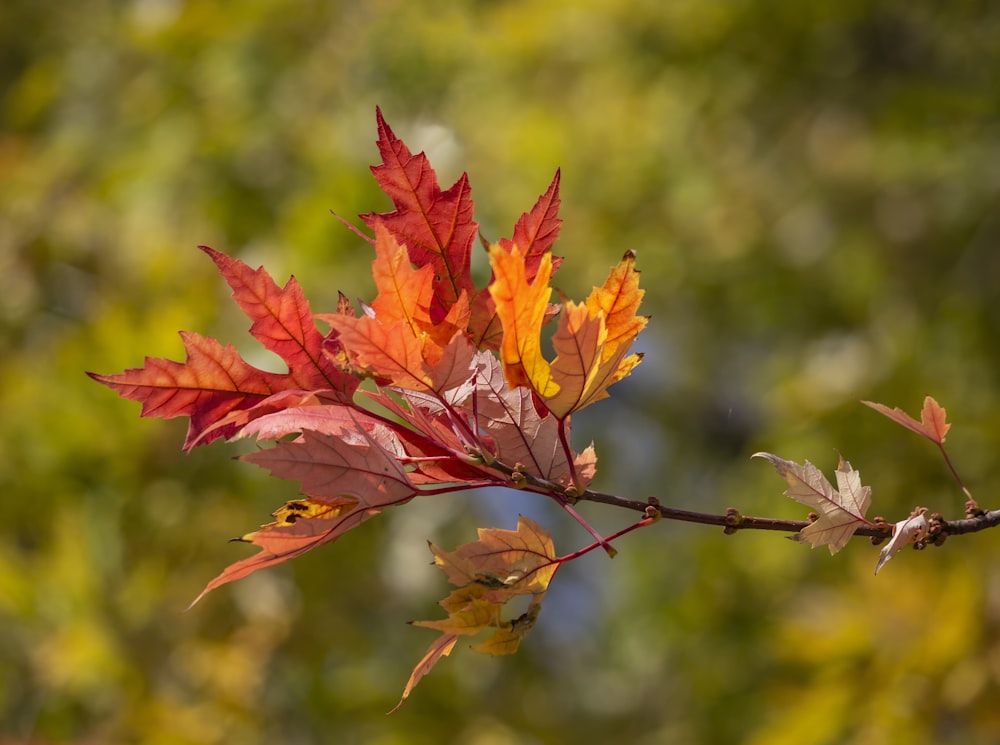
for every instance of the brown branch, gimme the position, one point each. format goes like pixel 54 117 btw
pixel 732 520
pixel 983 521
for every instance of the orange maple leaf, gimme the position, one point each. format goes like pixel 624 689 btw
pixel 535 233
pixel 591 340
pixel 399 341
pixel 933 422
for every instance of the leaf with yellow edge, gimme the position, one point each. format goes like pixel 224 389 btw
pixel 348 482
pixel 618 299
pixel 501 565
pixel 591 340
pixel 299 526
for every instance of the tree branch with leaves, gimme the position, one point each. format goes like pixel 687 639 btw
pixel 459 395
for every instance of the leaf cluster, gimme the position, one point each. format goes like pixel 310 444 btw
pixel 461 393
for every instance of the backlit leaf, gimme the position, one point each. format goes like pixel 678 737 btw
pixel 436 226
pixel 587 360
pixel 501 565
pixel 440 647
pixel 534 235
pixel 347 484
pixel 841 511
pixel 520 435
pixel 293 534
pixel 933 422
pixel 521 304
pixel 215 380
pixel 400 342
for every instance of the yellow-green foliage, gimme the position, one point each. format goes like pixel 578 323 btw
pixel 812 192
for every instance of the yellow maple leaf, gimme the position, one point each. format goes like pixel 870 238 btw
pixel 521 307
pixel 591 340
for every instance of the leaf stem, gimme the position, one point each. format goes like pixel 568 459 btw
pixel 568 452
pixel 971 505
pixel 601 541
pixel 597 544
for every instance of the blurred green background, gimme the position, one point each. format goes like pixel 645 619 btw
pixel 813 190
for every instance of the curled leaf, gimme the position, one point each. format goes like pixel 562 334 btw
pixel 490 572
pixel 904 533
pixel 440 647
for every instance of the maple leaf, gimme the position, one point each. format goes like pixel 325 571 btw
pixel 501 565
pixel 349 479
pixel 591 340
pixel 301 526
pixel 933 419
pixel 520 435
pixel 436 226
pixel 452 415
pixel 215 380
pixel 904 533
pixel 400 341
pixel 841 510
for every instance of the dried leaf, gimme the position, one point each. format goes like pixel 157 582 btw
pixel 841 511
pixel 440 647
pixel 904 533
pixel 501 565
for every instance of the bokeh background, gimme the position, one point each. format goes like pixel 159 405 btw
pixel 813 190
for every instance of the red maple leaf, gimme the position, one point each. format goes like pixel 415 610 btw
pixel 436 226
pixel 215 380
